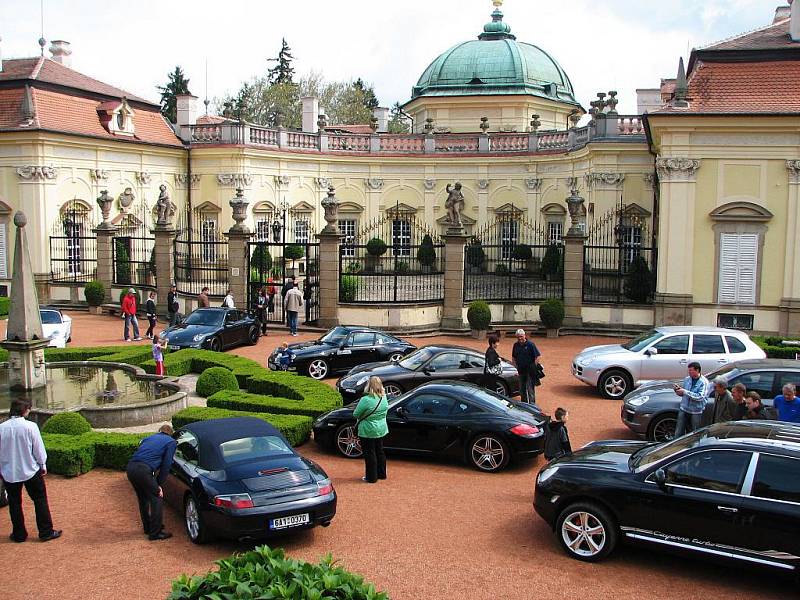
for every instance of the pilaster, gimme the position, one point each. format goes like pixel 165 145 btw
pixel 329 278
pixel 790 302
pixel 237 265
pixel 105 257
pixel 453 307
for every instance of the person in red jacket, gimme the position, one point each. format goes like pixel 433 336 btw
pixel 129 314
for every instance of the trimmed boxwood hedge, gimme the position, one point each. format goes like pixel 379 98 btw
pixel 248 402
pixel 773 348
pixel 296 428
pixel 215 379
pixel 68 423
pixel 73 455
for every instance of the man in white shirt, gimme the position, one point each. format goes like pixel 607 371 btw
pixel 23 462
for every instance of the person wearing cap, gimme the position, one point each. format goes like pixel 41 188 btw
pixel 724 404
pixel 129 314
pixel 526 357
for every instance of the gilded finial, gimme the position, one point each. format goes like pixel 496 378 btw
pixel 497 3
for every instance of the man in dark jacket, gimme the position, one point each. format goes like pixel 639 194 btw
pixel 525 356
pixel 724 404
pixel 172 305
pixel 556 443
pixel 738 392
pixel 147 471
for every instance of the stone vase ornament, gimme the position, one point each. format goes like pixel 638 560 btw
pixel 239 206
pixel 331 207
pixel 577 213
pixel 104 201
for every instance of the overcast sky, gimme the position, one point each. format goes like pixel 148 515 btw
pixel 601 44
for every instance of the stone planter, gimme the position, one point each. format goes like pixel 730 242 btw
pixel 95 310
pixel 478 334
pixel 552 333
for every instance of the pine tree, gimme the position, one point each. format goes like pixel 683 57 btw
pixel 367 94
pixel 398 121
pixel 283 71
pixel 177 84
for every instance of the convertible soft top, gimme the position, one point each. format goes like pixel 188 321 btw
pixel 213 432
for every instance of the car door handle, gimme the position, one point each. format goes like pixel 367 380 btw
pixel 728 509
pixel 722 361
pixel 683 361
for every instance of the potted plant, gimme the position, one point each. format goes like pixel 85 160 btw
pixel 292 253
pixel 476 256
pixel 95 292
pixel 551 314
pixel 551 263
pixel 639 284
pixel 479 317
pixel 426 255
pixel 376 248
pixel 522 253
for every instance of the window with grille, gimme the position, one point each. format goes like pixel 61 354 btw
pixel 738 258
pixel 208 235
pixel 74 233
pixel 401 237
pixel 347 227
pixel 263 229
pixel 631 243
pixel 301 231
pixel 509 234
pixel 555 232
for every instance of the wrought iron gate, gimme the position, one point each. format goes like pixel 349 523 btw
pixel 134 261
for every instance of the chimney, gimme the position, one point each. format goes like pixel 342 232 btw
pixel 310 114
pixel 794 24
pixel 781 13
pixel 382 114
pixel 61 52
pixel 186 105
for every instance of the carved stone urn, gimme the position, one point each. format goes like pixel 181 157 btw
pixel 239 206
pixel 577 213
pixel 104 201
pixel 331 207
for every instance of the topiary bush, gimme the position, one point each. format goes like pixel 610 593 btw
pixel 522 252
pixel 551 313
pixel 295 428
pixel 215 379
pixel 551 263
pixel 639 281
pixel 376 247
pixel 426 254
pixel 479 315
pixel 122 263
pixel 69 423
pixel 476 255
pixel 348 288
pixel 501 269
pixel 261 261
pixel 293 252
pixel 95 292
pixel 267 573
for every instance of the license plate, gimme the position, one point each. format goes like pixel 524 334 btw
pixel 173 347
pixel 291 521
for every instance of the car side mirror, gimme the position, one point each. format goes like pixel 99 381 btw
pixel 342 345
pixel 651 351
pixel 660 477
pixel 401 412
pixel 430 369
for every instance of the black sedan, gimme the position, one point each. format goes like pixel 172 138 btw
pixel 240 479
pixel 213 329
pixel 729 491
pixel 446 418
pixel 431 363
pixel 341 349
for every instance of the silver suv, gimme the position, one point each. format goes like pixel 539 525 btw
pixel 660 353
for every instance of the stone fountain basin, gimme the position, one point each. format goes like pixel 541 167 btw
pixel 119 414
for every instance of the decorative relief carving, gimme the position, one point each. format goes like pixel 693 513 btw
pixel 794 171
pixel 235 179
pixel 483 184
pixel 677 169
pixel 572 183
pixel 534 184
pixel 144 178
pixel 604 178
pixel 281 180
pixel 429 184
pixel 125 199
pixel 34 173
pixel 650 179
pixel 374 183
pixel 98 174
pixel 183 178
pixel 324 182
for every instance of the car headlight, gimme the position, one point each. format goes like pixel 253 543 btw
pixel 638 401
pixel 199 337
pixel 547 473
pixel 585 361
pixel 362 380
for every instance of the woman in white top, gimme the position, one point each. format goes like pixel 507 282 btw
pixel 228 301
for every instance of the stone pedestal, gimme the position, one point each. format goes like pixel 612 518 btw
pixel 165 263
pixel 573 279
pixel 329 277
pixel 238 276
pixel 453 309
pixel 105 256
pixel 26 364
pixel 673 309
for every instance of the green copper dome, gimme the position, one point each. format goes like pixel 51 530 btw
pixel 495 64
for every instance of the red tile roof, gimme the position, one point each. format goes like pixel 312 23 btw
pixel 212 120
pixel 357 129
pixel 772 37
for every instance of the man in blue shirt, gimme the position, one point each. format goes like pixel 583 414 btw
pixel 693 392
pixel 147 471
pixel 787 405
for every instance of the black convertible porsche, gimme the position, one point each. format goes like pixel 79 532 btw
pixel 341 349
pixel 213 329
pixel 239 478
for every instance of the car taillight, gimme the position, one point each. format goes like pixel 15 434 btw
pixel 525 430
pixel 325 487
pixel 234 501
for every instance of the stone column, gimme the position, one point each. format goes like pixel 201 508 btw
pixel 105 256
pixel 573 279
pixel 453 308
pixel 329 278
pixel 790 302
pixel 165 263
pixel 238 276
pixel 673 299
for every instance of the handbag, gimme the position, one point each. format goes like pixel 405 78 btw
pixel 495 369
pixel 367 416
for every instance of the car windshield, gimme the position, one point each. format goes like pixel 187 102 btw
pixel 653 453
pixel 205 317
pixel 492 399
pixel 50 317
pixel 415 360
pixel 250 448
pixel 643 340
pixel 335 336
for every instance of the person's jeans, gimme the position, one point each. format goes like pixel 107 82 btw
pixel 152 325
pixel 38 493
pixel 292 316
pixel 131 320
pixel 687 422
pixel 374 458
pixel 173 317
pixel 150 503
pixel 527 387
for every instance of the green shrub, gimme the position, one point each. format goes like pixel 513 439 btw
pixel 551 263
pixel 95 292
pixel 266 573
pixel 69 455
pixel 348 288
pixel 4 305
pixel 215 379
pixel 262 403
pixel 136 293
pixel 293 252
pixel 639 281
pixel 260 262
pixel 551 313
pixel 113 450
pixel 402 267
pixel 426 255
pixel 479 315
pixel 476 256
pixel 353 267
pixel 122 263
pixel 522 252
pixel 68 423
pixel 296 428
pixel 501 269
pixel 771 345
pixel 376 247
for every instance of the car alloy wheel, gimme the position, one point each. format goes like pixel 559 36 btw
pixel 195 527
pixel 586 532
pixel 392 390
pixel 347 442
pixel 253 335
pixel 396 357
pixel 488 453
pixel 317 369
pixel 663 428
pixel 215 345
pixel 500 388
pixel 614 384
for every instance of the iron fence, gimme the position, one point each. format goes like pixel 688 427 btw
pixel 200 264
pixel 134 260
pixel 73 248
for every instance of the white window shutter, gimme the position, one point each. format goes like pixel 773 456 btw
pixel 727 267
pixel 748 257
pixel 738 258
pixel 3 252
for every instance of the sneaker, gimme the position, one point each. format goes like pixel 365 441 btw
pixel 53 535
pixel 127 339
pixel 137 339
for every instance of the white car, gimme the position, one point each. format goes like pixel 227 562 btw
pixel 56 326
pixel 660 353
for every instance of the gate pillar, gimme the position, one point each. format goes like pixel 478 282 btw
pixel 105 256
pixel 573 278
pixel 238 277
pixel 453 307
pixel 329 277
pixel 165 263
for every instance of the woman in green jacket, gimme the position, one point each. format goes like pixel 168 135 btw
pixel 372 428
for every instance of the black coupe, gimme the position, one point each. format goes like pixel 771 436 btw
pixel 448 418
pixel 340 349
pixel 239 478
pixel 730 491
pixel 431 363
pixel 213 329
